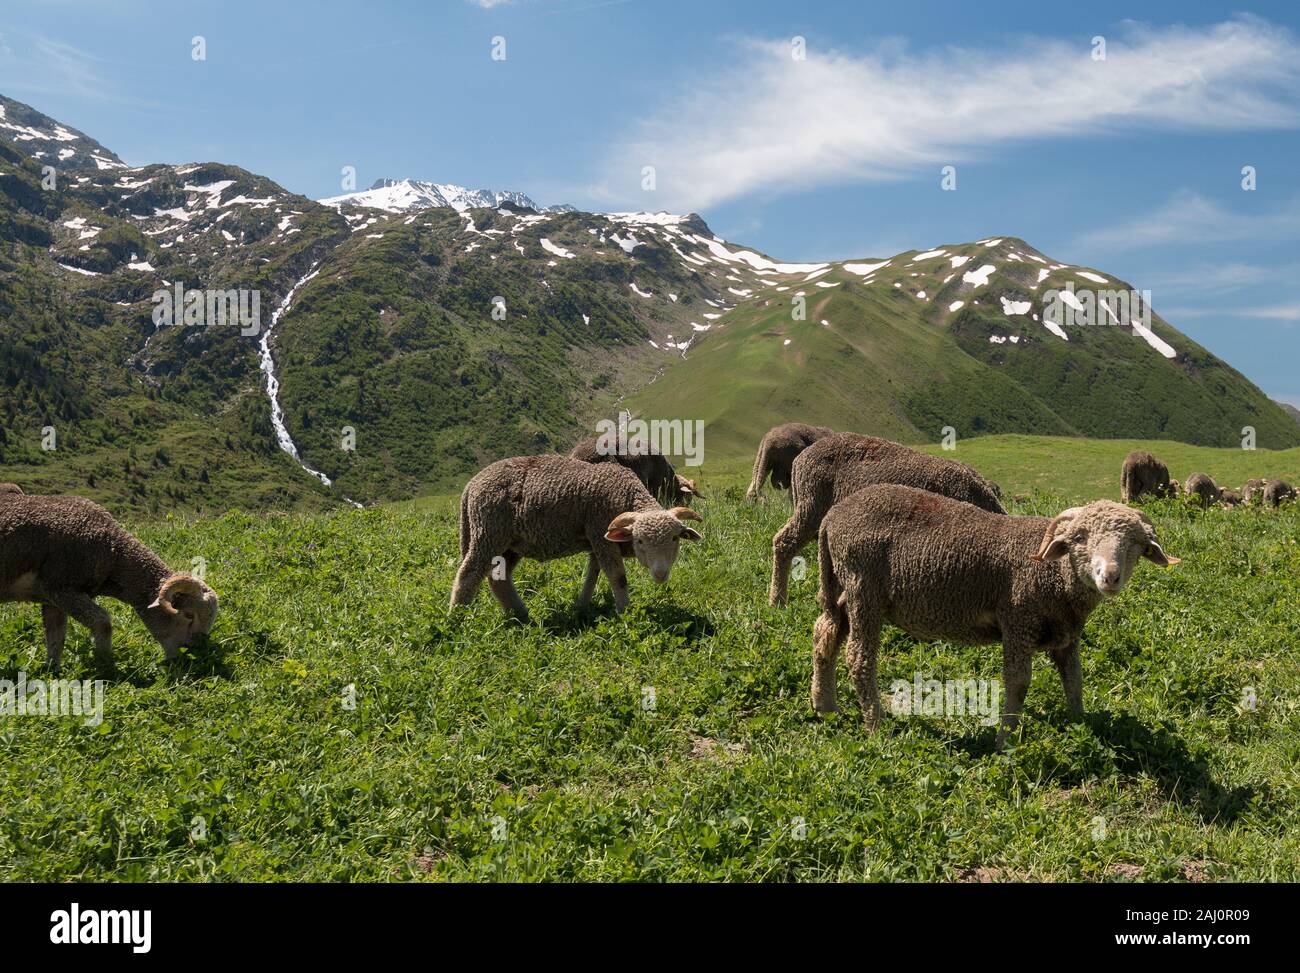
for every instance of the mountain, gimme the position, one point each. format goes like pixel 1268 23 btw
pixel 1290 410
pixel 396 348
pixel 49 142
pixel 406 195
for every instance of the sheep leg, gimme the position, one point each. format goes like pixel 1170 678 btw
pixel 1071 670
pixel 789 540
pixel 829 633
pixel 760 473
pixel 475 567
pixel 83 608
pixel 503 588
pixel 589 582
pixel 1017 668
pixel 860 653
pixel 56 633
pixel 611 563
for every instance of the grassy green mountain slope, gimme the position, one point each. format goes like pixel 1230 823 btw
pixel 953 337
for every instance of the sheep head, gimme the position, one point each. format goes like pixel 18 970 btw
pixel 685 489
pixel 655 536
pixel 1104 541
pixel 184 610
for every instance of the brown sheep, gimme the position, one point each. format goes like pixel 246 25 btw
pixel 651 468
pixel 1143 474
pixel 10 488
pixel 1201 489
pixel 1231 498
pixel 1253 491
pixel 1278 492
pixel 941 569
pixel 544 507
pixel 64 552
pixel 777 453
pixel 840 465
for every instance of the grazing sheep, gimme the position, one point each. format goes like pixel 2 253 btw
pixel 10 488
pixel 777 453
pixel 546 507
pixel 841 464
pixel 1253 491
pixel 1278 492
pixel 64 552
pixel 651 468
pixel 1201 489
pixel 1175 489
pixel 1231 498
pixel 1142 474
pixel 938 568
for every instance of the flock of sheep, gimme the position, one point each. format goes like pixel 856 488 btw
pixel 919 541
pixel 1144 475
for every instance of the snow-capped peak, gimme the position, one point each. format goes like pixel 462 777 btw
pixel 406 195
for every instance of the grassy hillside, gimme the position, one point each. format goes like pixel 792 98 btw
pixel 480 750
pixel 912 346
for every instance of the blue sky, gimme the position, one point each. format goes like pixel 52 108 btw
pixel 1131 164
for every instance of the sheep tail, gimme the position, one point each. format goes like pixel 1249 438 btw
pixel 761 469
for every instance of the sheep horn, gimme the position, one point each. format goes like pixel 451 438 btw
pixel 177 584
pixel 686 513
pixel 1049 535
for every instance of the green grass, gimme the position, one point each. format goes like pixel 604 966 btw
pixel 464 724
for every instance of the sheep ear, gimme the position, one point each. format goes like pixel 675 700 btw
pixel 1155 553
pixel 619 530
pixel 685 513
pixel 691 534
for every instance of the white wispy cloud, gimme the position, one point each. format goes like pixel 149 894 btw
pixel 1189 218
pixel 1274 312
pixel 771 122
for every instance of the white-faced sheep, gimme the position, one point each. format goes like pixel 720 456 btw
pixel 839 465
pixel 64 552
pixel 651 468
pixel 545 507
pixel 1278 492
pixel 941 569
pixel 1201 490
pixel 1143 475
pixel 778 451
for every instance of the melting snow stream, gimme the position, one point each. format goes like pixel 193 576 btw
pixel 273 383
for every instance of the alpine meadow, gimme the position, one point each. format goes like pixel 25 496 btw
pixel 994 314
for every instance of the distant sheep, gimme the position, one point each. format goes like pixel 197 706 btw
pixel 941 569
pixel 1253 491
pixel 777 453
pixel 841 464
pixel 1201 489
pixel 650 467
pixel 10 488
pixel 1143 475
pixel 1278 492
pixel 544 507
pixel 1231 498
pixel 64 552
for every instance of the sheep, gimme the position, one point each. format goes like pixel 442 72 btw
pixel 1278 492
pixel 1175 489
pixel 651 467
pixel 1142 474
pixel 841 464
pixel 64 552
pixel 1231 498
pixel 10 488
pixel 1253 490
pixel 1201 489
pixel 544 507
pixel 940 568
pixel 777 453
